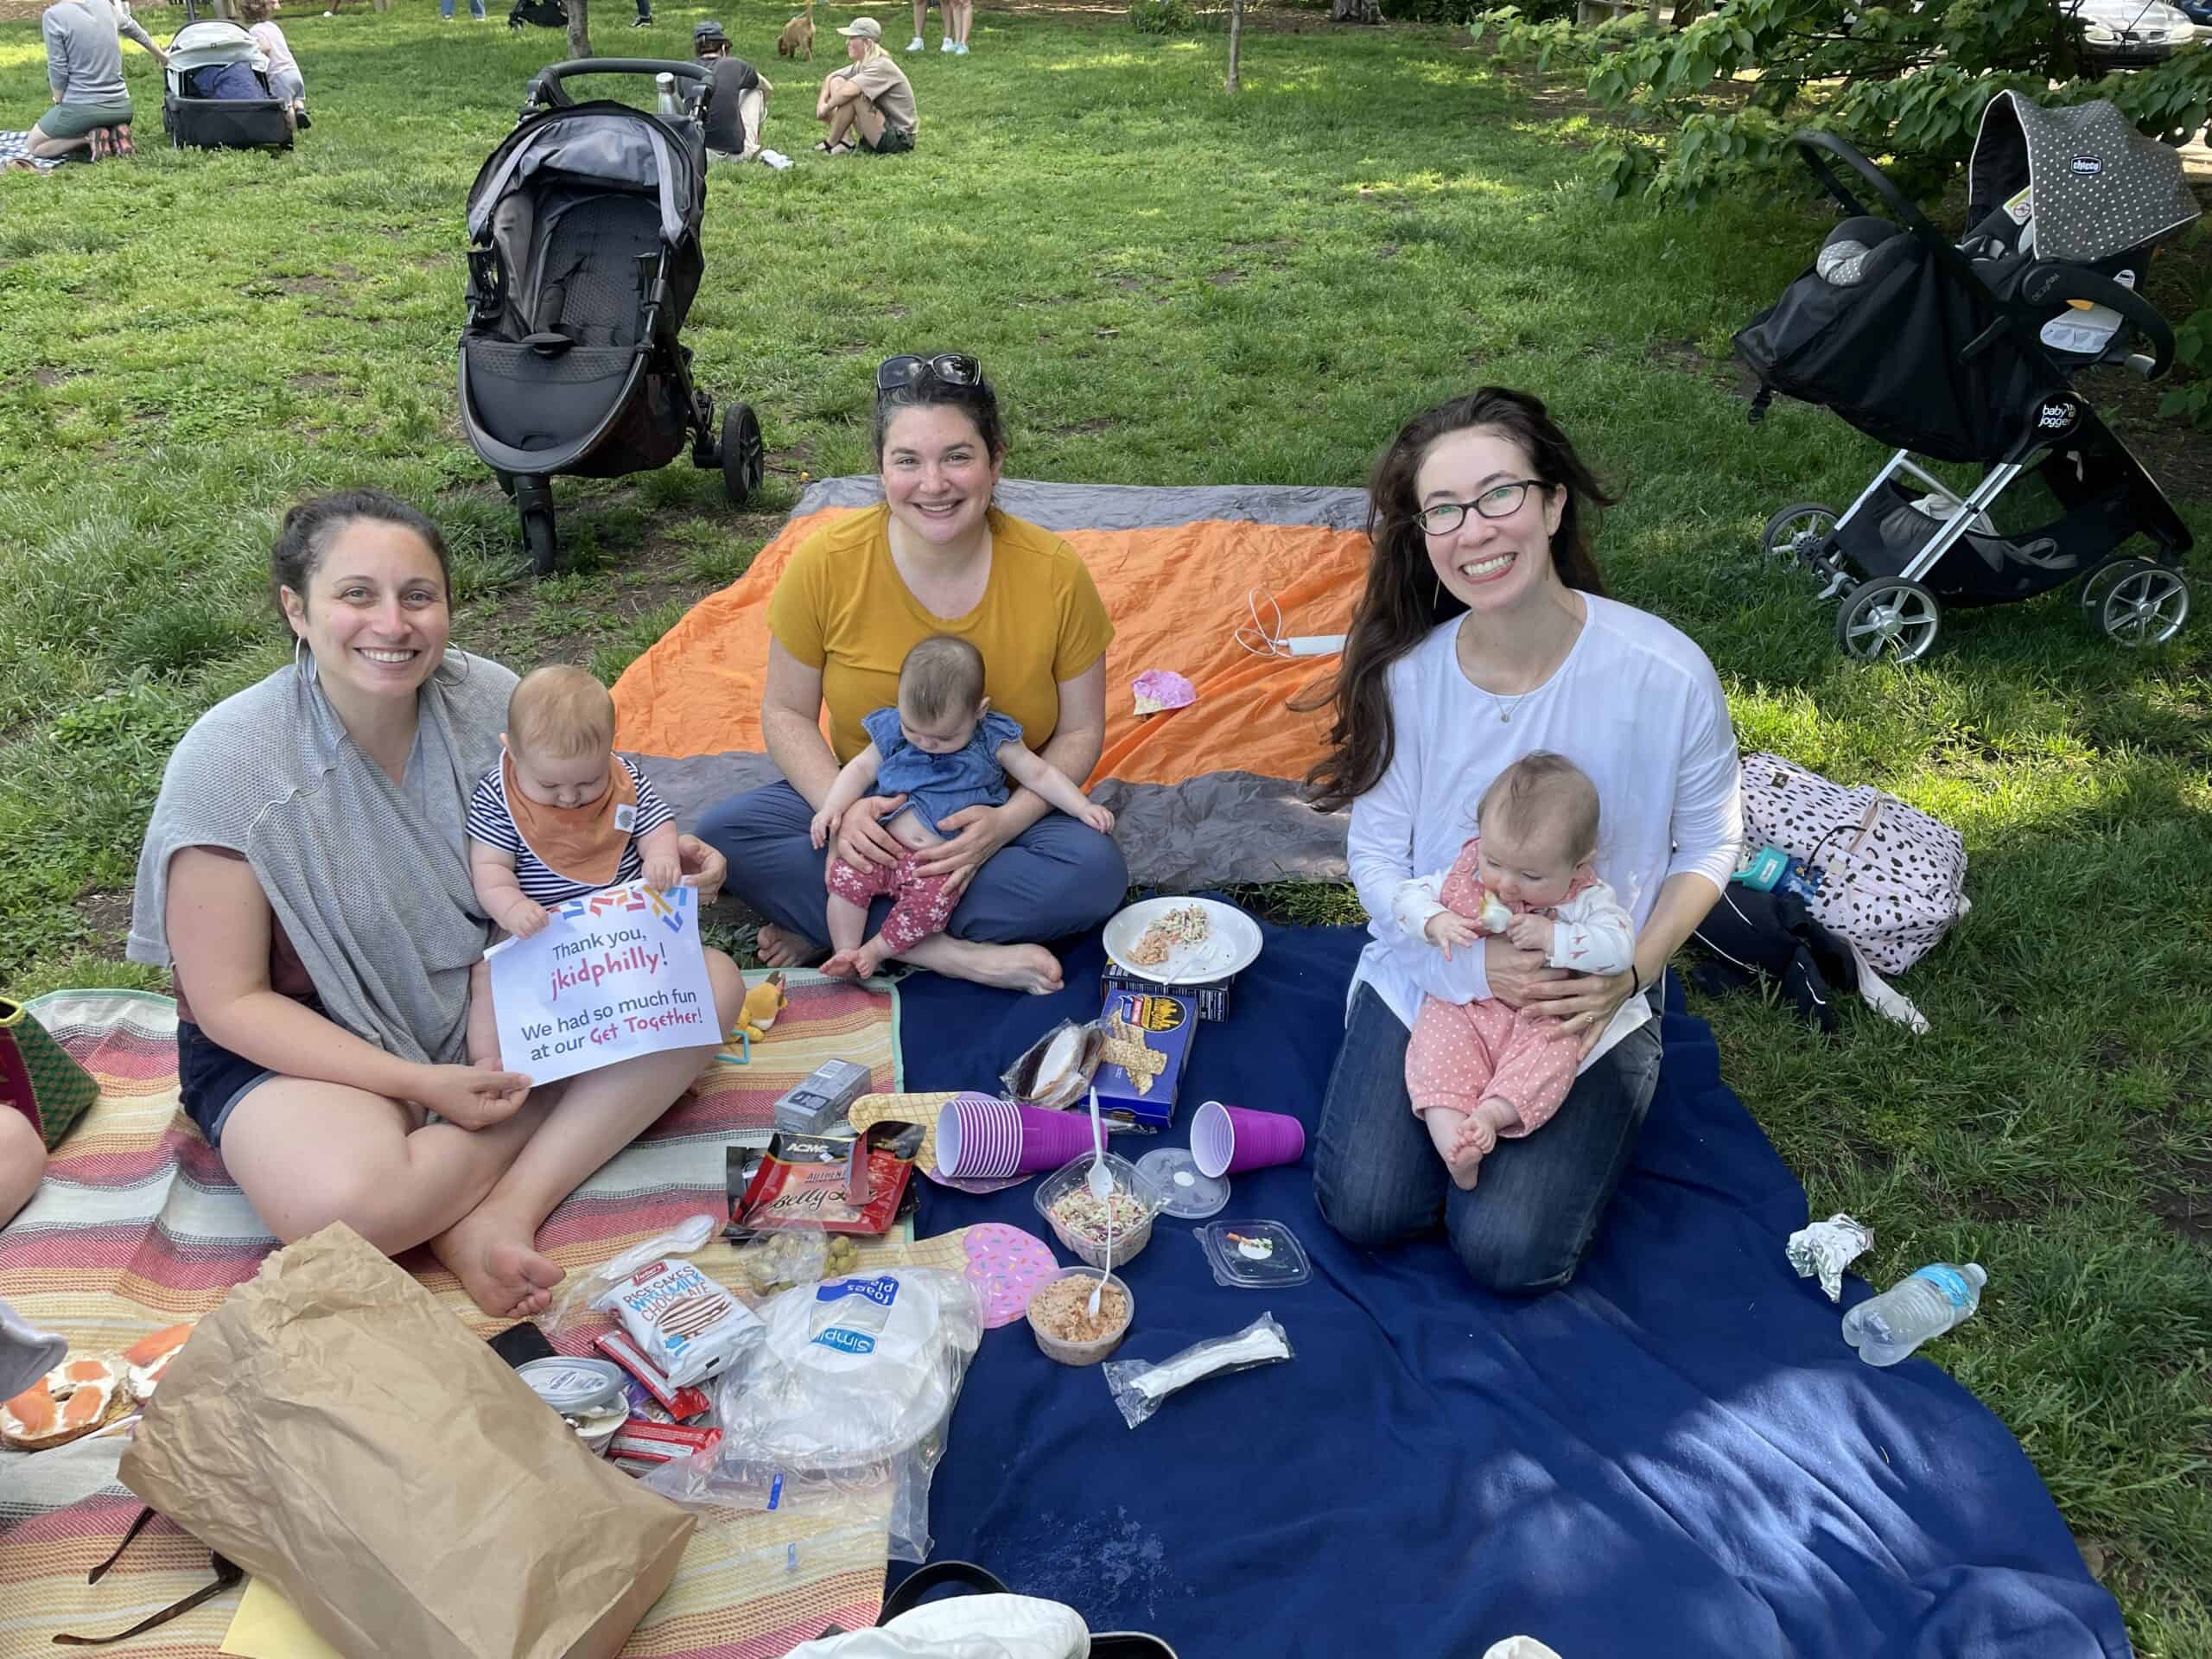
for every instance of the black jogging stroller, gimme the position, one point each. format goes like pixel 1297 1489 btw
pixel 1966 351
pixel 538 14
pixel 583 260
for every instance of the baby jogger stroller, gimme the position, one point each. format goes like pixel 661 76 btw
pixel 1965 351
pixel 583 258
pixel 210 65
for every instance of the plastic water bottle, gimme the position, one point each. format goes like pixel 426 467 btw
pixel 1886 1328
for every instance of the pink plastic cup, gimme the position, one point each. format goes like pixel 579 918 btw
pixel 1228 1139
pixel 978 1137
pixel 1049 1139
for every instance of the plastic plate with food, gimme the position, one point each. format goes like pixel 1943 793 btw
pixel 1183 941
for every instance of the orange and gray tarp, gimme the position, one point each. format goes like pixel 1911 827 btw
pixel 1205 795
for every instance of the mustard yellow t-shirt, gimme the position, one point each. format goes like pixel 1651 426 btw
pixel 841 606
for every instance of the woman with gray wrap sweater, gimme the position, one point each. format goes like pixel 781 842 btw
pixel 306 872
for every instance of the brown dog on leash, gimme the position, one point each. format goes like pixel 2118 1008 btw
pixel 798 38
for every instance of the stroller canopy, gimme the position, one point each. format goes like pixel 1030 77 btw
pixel 602 147
pixel 2096 186
pixel 203 46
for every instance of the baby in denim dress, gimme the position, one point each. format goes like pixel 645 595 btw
pixel 943 749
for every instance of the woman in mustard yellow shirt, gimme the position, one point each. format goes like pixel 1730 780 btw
pixel 936 557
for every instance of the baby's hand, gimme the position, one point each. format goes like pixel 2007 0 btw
pixel 525 919
pixel 1446 929
pixel 823 827
pixel 1531 932
pixel 663 874
pixel 1098 819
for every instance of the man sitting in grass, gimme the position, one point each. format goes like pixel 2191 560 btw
pixel 870 105
pixel 84 66
pixel 740 100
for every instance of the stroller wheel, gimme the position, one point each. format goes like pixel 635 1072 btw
pixel 744 457
pixel 1894 620
pixel 2136 602
pixel 534 500
pixel 1797 532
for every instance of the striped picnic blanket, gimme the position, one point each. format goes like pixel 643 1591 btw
pixel 138 1227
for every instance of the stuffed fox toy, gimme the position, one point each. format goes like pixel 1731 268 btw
pixel 762 1004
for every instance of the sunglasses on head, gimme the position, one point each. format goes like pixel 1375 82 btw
pixel 953 368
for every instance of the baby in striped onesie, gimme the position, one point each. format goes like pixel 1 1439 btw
pixel 561 815
pixel 1476 1071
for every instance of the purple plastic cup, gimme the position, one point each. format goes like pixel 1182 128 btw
pixel 1049 1139
pixel 978 1137
pixel 1228 1139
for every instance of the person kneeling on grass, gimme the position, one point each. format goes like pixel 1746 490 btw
pixel 84 66
pixel 740 100
pixel 870 105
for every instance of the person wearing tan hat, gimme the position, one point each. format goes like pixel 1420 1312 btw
pixel 869 104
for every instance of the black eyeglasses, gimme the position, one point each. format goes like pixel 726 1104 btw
pixel 1499 501
pixel 953 368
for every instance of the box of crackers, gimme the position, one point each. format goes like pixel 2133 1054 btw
pixel 1148 1035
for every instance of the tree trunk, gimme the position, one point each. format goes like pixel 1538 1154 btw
pixel 1687 12
pixel 1236 39
pixel 1355 11
pixel 579 29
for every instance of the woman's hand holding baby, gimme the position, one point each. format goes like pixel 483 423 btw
pixel 1447 928
pixel 975 833
pixel 861 840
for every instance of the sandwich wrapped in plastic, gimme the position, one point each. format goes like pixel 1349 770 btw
pixel 1055 1070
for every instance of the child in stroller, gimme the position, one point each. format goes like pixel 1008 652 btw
pixel 1966 353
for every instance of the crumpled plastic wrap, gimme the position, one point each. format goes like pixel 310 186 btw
pixel 1827 1248
pixel 1159 690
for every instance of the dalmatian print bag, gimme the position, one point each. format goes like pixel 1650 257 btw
pixel 1895 879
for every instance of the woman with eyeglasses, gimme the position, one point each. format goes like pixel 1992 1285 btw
pixel 935 559
pixel 1484 635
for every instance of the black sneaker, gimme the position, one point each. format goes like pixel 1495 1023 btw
pixel 300 121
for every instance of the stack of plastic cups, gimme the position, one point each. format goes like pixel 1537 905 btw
pixel 980 1138
pixel 1229 1139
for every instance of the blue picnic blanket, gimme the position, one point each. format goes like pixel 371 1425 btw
pixel 1675 1455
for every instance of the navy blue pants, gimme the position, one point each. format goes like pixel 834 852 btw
pixel 1534 1210
pixel 1056 878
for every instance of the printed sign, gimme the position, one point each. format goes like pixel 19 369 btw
pixel 614 974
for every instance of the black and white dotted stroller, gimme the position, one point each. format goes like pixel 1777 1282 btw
pixel 583 260
pixel 1965 351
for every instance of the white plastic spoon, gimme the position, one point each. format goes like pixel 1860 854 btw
pixel 1102 1188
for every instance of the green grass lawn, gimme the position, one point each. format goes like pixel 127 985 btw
pixel 1171 287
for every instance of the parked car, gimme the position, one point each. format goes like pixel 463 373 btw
pixel 2130 33
pixel 2197 11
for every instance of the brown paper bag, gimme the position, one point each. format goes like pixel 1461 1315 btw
pixel 334 1430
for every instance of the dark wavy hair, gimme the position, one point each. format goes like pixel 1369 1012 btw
pixel 1403 601
pixel 310 527
pixel 979 402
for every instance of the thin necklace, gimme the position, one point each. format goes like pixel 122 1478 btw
pixel 1506 706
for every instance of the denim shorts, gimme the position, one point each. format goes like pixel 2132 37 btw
pixel 212 1080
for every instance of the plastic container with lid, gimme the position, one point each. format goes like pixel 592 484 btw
pixel 1254 1255
pixel 1069 1352
pixel 1185 1190
pixel 575 1386
pixel 1064 1197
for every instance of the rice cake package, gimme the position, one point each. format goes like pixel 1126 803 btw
pixel 688 1325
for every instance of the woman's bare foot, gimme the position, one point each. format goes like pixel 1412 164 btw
pixel 1028 967
pixel 496 1265
pixel 777 949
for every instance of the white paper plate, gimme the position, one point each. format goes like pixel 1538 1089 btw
pixel 1231 945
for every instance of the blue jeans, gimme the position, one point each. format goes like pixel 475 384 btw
pixel 475 9
pixel 1056 878
pixel 1534 1213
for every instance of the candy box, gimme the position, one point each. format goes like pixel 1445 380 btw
pixel 1148 1035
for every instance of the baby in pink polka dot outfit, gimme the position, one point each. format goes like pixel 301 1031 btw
pixel 1476 1071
